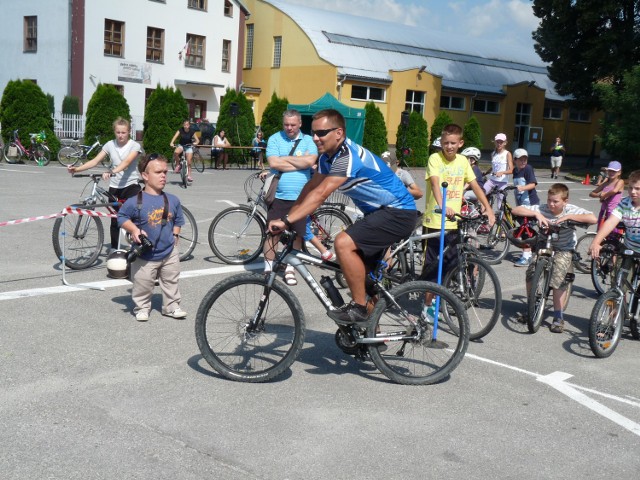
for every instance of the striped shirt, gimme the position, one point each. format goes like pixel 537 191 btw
pixel 630 216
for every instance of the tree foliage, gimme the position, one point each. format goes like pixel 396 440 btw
pixel 586 42
pixel 164 113
pixel 472 133
pixel 620 127
pixel 375 130
pixel 443 119
pixel 25 107
pixel 106 104
pixel 415 137
pixel 71 105
pixel 240 129
pixel 272 115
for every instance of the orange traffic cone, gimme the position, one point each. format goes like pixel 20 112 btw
pixel 586 180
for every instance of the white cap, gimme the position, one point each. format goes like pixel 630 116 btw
pixel 520 152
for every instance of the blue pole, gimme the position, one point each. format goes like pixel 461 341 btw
pixel 443 216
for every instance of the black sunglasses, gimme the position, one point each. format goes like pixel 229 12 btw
pixel 323 133
pixel 153 157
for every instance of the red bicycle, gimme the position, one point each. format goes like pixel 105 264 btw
pixel 15 152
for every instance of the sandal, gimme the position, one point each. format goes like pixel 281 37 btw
pixel 290 278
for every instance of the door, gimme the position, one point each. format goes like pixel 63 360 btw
pixel 197 109
pixel 523 120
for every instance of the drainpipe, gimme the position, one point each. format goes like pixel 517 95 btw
pixel 340 82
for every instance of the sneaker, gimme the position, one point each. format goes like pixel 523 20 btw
pixel 177 313
pixel 429 314
pixel 328 255
pixel 189 179
pixel 522 262
pixel 142 316
pixel 349 314
pixel 557 326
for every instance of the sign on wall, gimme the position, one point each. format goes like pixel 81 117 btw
pixel 134 72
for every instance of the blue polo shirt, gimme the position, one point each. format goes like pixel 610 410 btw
pixel 291 183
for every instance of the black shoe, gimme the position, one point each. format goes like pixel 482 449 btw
pixel 349 314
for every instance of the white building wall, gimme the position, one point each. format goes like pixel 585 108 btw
pixel 177 20
pixel 49 66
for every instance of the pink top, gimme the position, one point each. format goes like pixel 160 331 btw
pixel 612 202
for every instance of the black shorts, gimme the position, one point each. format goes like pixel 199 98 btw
pixel 378 230
pixel 280 208
pixel 432 254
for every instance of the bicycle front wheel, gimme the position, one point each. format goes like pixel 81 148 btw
pixel 477 286
pixel 41 155
pixel 12 153
pixel 184 171
pixel 582 260
pixel 494 245
pixel 83 240
pixel 237 235
pixel 188 235
pixel 605 325
pixel 68 156
pixel 603 268
pixel 197 162
pixel 538 295
pixel 414 354
pixel 247 333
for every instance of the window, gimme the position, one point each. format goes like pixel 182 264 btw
pixel 195 51
pixel 551 112
pixel 486 106
pixel 228 8
pixel 277 51
pixel 452 103
pixel 30 34
pixel 248 57
pixel 226 55
pixel 155 44
pixel 576 115
pixel 113 38
pixel 197 4
pixel 414 101
pixel 360 92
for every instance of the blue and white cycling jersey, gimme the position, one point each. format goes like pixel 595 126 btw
pixel 371 184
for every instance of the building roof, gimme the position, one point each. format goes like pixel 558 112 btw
pixel 369 49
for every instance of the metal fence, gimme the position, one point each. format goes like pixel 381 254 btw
pixel 68 126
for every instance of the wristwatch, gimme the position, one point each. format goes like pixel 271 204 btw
pixel 286 221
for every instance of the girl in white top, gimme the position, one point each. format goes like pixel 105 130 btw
pixel 501 165
pixel 123 175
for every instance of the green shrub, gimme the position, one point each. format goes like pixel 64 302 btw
pixel 105 106
pixel 25 106
pixel 51 102
pixel 443 119
pixel 415 137
pixel 472 134
pixel 241 129
pixel 375 130
pixel 71 105
pixel 165 111
pixel 272 116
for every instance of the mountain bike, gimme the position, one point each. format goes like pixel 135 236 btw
pixel 71 155
pixel 237 234
pixel 38 151
pixel 493 244
pixel 472 280
pixel 196 162
pixel 582 261
pixel 616 306
pixel 84 234
pixel 251 327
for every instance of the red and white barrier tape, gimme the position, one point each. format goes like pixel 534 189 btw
pixel 66 211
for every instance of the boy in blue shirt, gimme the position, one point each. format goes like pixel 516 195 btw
pixel 525 182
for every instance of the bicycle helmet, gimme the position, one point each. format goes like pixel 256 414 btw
pixel 471 152
pixel 117 266
pixel 436 143
pixel 522 236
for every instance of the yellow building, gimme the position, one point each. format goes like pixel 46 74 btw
pixel 301 53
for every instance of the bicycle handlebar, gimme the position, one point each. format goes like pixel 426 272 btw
pixel 94 176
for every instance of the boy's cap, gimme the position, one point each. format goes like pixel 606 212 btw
pixel 500 136
pixel 615 166
pixel 520 152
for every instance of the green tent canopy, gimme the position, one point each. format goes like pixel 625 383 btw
pixel 354 117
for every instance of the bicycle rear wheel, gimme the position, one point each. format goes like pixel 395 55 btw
pixel 236 349
pixel 327 223
pixel 583 261
pixel 237 235
pixel 494 245
pixel 84 237
pixel 69 156
pixel 197 162
pixel 41 155
pixel 188 235
pixel 13 153
pixel 412 356
pixel 537 299
pixel 605 325
pixel 476 284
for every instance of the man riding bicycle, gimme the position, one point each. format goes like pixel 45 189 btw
pixel 390 211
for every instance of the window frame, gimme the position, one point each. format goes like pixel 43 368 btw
pixel 248 53
pixel 152 48
pixel 193 45
pixel 450 99
pixel 30 34
pixel 410 104
pixel 226 51
pixel 367 96
pixel 200 5
pixel 548 110
pixel 228 9
pixel 277 51
pixel 577 114
pixel 112 42
pixel 486 103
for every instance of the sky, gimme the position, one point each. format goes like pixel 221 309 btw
pixel 506 20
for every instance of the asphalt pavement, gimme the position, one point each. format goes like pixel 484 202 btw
pixel 89 393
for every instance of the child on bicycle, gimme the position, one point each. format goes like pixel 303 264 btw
pixel 609 192
pixel 557 210
pixel 525 181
